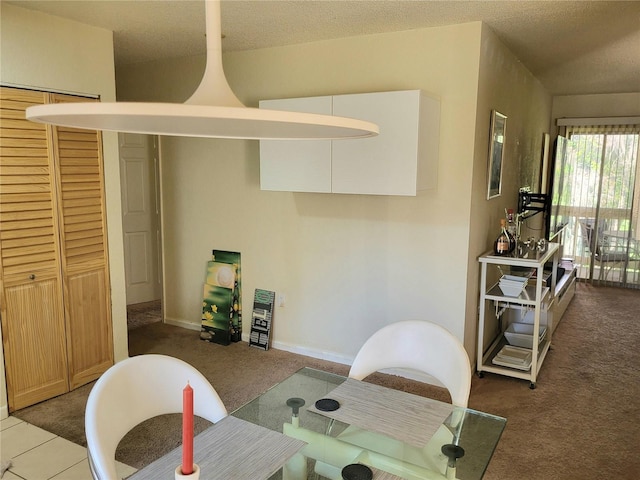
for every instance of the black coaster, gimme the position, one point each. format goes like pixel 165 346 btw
pixel 327 405
pixel 357 471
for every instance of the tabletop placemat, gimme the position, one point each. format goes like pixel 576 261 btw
pixel 406 417
pixel 232 448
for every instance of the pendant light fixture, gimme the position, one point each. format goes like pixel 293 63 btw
pixel 212 111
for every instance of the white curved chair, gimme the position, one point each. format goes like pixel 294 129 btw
pixel 418 346
pixel 137 389
pixel 421 346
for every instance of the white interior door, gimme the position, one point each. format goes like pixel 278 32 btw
pixel 140 216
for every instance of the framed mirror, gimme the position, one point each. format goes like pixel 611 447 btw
pixel 496 154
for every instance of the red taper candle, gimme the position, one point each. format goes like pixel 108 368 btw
pixel 187 430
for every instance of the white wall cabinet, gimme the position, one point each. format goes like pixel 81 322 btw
pixel 401 160
pixel 296 165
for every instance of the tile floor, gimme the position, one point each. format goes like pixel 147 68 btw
pixel 39 455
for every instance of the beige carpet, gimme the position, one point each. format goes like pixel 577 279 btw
pixel 141 314
pixel 581 422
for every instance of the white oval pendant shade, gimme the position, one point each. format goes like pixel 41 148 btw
pixel 212 111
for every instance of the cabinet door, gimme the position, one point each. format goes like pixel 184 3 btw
pixel 386 164
pixel 296 165
pixel 33 328
pixel 84 250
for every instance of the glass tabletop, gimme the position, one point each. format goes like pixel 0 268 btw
pixel 332 444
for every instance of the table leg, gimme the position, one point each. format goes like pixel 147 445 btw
pixel 295 468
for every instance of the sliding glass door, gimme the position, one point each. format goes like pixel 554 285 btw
pixel 595 198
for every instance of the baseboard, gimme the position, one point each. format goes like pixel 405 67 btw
pixel 346 360
pixel 309 352
pixel 315 353
pixel 182 323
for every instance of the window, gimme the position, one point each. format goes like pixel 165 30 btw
pixel 596 197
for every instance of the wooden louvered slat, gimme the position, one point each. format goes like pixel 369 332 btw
pixel 24 172
pixel 85 145
pixel 68 187
pixel 25 241
pixel 11 94
pixel 26 188
pixel 27 259
pixel 84 241
pixel 82 226
pixel 80 234
pixel 73 145
pixel 19 142
pixel 30 161
pixel 27 224
pixel 72 220
pixel 97 258
pixel 14 108
pixel 66 133
pixel 78 193
pixel 16 180
pixel 71 162
pixel 77 179
pixel 78 154
pixel 9 113
pixel 22 152
pixel 9 198
pixel 87 249
pixel 24 206
pixel 82 201
pixel 16 124
pixel 80 196
pixel 84 210
pixel 68 157
pixel 75 170
pixel 22 268
pixel 31 232
pixel 25 250
pixel 22 132
pixel 22 215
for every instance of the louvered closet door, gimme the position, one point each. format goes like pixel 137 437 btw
pixel 31 305
pixel 84 250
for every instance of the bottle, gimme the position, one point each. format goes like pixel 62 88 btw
pixel 511 224
pixel 505 243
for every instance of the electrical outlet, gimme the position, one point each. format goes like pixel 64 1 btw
pixel 281 299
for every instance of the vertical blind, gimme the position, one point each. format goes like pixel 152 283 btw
pixel 602 189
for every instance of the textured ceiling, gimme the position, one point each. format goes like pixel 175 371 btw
pixel 572 47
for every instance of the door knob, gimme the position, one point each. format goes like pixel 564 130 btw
pixel 32 277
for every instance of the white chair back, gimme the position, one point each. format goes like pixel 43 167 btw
pixel 135 390
pixel 421 346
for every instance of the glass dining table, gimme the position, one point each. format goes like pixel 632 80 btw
pixel 459 442
pixel 317 425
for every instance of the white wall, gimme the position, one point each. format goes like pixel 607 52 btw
pixel 49 53
pixel 603 105
pixel 347 264
pixel 508 87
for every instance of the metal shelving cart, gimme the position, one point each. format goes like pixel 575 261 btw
pixel 536 297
